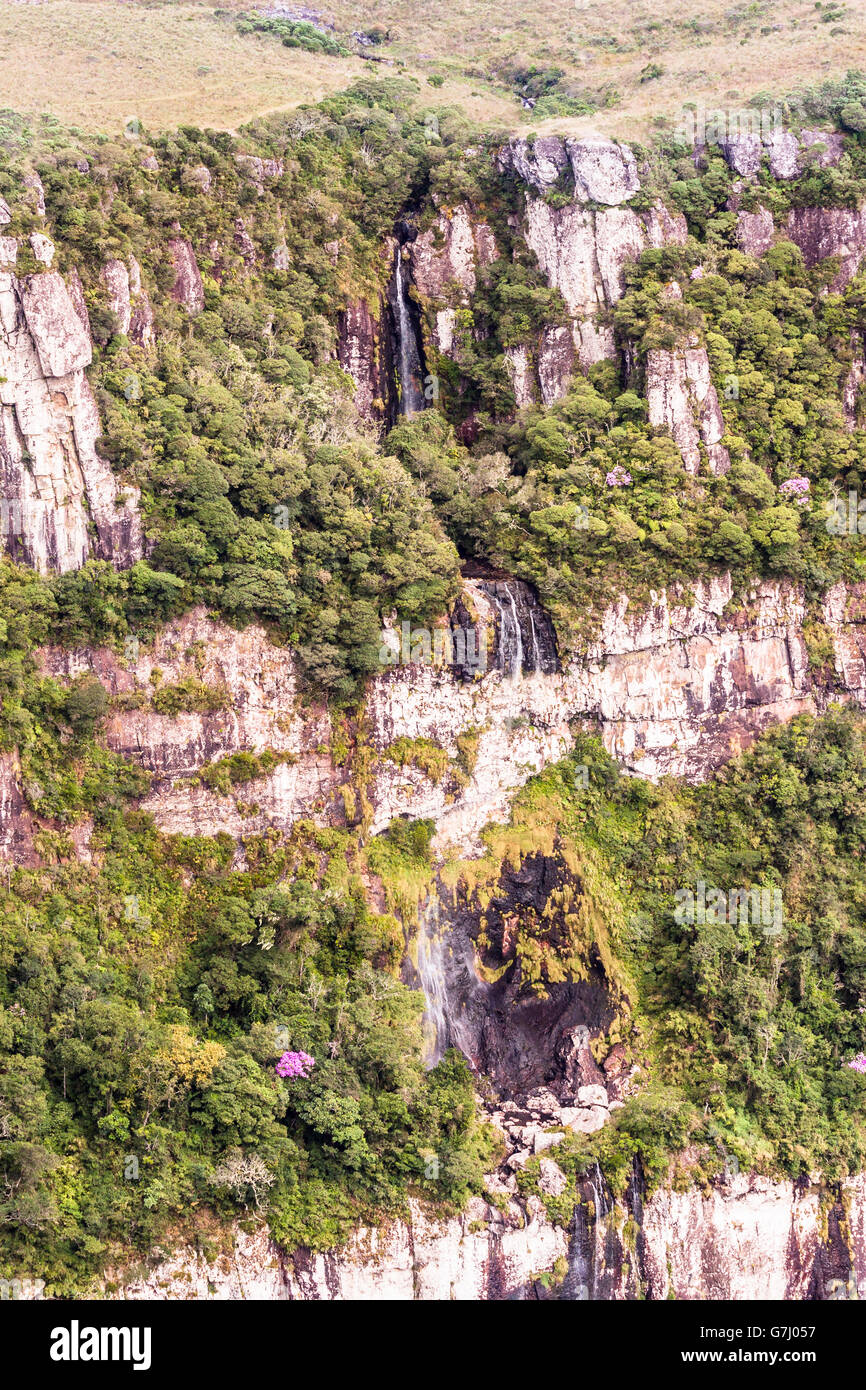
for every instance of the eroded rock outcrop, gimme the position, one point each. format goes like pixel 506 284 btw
pixel 255 694
pixel 115 278
pixel 187 288
pixel 748 1239
pixel 677 689
pixel 16 822
pixel 60 500
pixel 445 261
pixel 519 368
pixel 820 233
pixel 788 154
pixel 756 231
pixel 451 252
pixel 601 171
pixel 141 324
pixel 584 255
pixel 681 396
pixel 824 232
pixel 259 171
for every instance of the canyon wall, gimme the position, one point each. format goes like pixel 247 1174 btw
pixel 674 689
pixel 746 1239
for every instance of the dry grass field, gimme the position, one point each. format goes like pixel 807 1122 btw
pixel 95 63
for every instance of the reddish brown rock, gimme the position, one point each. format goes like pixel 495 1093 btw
pixel 755 231
pixel 824 232
pixel 359 352
pixel 187 288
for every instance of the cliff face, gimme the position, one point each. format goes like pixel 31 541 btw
pixel 746 1239
pixel 255 687
pixel 583 255
pixel 360 353
pixel 675 689
pixel 61 503
pixel 681 396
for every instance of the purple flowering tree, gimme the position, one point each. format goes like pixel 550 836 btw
pixel 293 1064
pixel 618 476
pixel 796 490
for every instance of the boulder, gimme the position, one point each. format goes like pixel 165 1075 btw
pixel 604 172
pixel 592 1095
pixel 589 1119
pixel 544 1141
pixel 551 1178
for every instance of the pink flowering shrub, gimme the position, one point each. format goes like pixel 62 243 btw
pixel 858 1063
pixel 618 477
pixel 796 490
pixel 295 1064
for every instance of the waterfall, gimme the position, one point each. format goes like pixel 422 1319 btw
pixel 409 369
pixel 536 650
pixel 595 1251
pixel 454 996
pixel 431 971
pixel 599 1213
pixel 510 642
pixel 517 657
pixel 525 637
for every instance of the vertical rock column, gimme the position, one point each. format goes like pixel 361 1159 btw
pixel 59 500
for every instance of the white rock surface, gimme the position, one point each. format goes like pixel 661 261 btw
pixel 60 499
pixel 115 277
pixel 674 689
pixel 583 255
pixel 520 371
pixel 604 172
pixel 746 1240
pixel 682 397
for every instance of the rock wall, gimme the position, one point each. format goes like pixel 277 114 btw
pixel 583 251
pixel 787 153
pixel 128 301
pixel 187 289
pixel 360 352
pixel 60 501
pixel 746 1239
pixel 674 689
pixel 261 711
pixel 681 396
pixel 584 254
pixel 444 262
pixel 820 233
